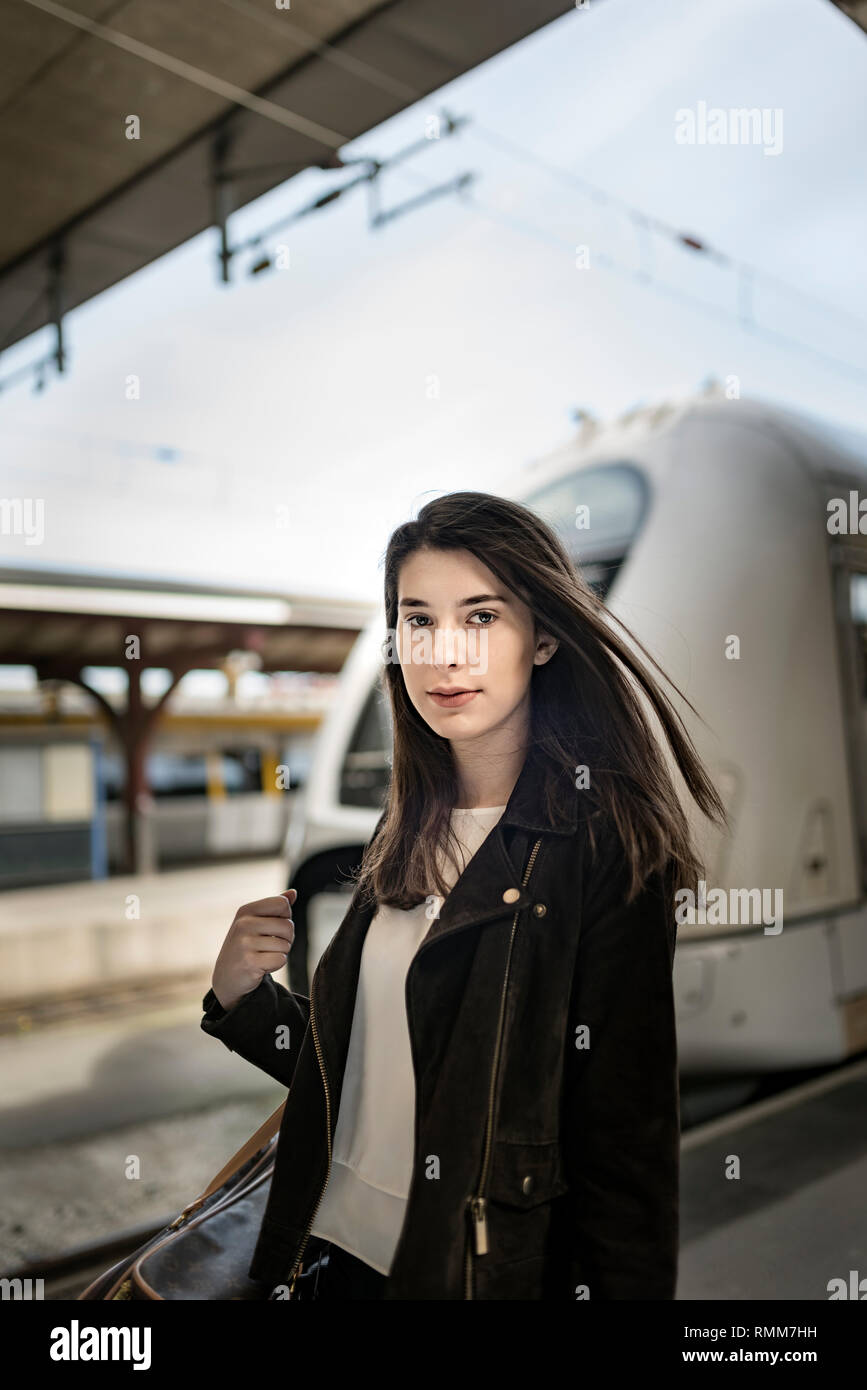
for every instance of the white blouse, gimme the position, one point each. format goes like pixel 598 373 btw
pixel 363 1206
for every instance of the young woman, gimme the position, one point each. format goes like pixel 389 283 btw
pixel 483 1090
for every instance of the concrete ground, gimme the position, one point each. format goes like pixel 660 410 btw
pixel 81 1100
pixel 773 1198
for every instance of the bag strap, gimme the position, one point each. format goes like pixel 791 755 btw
pixel 256 1142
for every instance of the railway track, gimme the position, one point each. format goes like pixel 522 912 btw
pixel 66 1276
pixel 24 1015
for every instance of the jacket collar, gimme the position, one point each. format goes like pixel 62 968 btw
pixel 526 809
pixel 493 877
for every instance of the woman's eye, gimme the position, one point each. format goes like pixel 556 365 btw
pixel 482 613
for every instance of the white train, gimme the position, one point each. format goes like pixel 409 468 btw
pixel 713 540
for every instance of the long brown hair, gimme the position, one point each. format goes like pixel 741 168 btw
pixel 584 711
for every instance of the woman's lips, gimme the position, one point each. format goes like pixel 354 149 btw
pixel 454 701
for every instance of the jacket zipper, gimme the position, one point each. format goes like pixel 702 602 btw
pixel 477 1205
pixel 296 1268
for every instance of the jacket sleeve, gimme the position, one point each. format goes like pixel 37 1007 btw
pixel 265 1027
pixel 250 1027
pixel 621 1099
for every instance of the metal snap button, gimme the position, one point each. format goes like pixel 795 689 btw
pixel 528 1184
pixel 540 909
pixel 511 895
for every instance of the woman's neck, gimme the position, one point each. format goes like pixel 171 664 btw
pixel 487 775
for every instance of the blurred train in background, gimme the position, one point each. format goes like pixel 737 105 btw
pixel 710 538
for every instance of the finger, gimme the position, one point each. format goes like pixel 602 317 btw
pixel 261 939
pixel 272 962
pixel 278 906
pixel 274 943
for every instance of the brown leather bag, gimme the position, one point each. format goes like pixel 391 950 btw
pixel 206 1251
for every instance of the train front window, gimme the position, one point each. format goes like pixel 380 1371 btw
pixel 366 767
pixel 597 512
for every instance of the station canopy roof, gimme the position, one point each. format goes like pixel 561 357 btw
pixel 61 622
pixel 233 97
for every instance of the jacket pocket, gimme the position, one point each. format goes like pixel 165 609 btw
pixel 523 1175
pixel 525 1222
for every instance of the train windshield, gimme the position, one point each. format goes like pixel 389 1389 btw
pixel 597 512
pixel 366 767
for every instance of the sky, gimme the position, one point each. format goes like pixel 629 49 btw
pixel 288 422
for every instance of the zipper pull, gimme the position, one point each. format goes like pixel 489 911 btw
pixel 480 1225
pixel 294 1280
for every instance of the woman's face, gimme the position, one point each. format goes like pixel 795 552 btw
pixel 459 628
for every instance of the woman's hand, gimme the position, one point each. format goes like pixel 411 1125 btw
pixel 257 943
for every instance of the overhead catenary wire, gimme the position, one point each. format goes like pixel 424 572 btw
pixel 643 277
pixel 749 276
pixel 391 85
pixel 681 239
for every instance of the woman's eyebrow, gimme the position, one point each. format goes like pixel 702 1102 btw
pixel 462 603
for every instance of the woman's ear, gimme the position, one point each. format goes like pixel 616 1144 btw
pixel 546 646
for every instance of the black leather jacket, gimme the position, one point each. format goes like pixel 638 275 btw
pixel 541 1018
